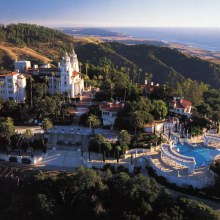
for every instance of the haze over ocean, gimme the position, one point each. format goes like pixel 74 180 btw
pixel 204 38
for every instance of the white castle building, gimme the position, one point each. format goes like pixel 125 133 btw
pixel 13 86
pixel 64 79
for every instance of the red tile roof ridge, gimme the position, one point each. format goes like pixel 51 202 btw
pixel 9 74
pixel 75 73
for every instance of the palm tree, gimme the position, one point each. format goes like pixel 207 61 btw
pixel 31 80
pixel 7 129
pixel 124 139
pixel 112 86
pixel 28 134
pixel 148 77
pixel 139 73
pixel 47 124
pixel 86 78
pixel 100 77
pixel 46 80
pixel 87 66
pixel 118 149
pixel 125 95
pixel 1 84
pixel 138 120
pixel 107 147
pixel 93 122
pixel 53 74
pixel 100 139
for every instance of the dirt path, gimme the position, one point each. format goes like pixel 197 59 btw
pixel 9 52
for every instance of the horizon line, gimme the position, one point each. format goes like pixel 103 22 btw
pixel 98 26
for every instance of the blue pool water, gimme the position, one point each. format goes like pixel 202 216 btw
pixel 203 155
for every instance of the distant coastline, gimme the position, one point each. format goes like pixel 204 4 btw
pixel 202 38
pixel 200 42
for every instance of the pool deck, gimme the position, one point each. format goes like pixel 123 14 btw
pixel 170 170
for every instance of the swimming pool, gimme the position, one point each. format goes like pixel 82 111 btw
pixel 203 155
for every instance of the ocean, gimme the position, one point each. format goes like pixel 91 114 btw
pixel 203 38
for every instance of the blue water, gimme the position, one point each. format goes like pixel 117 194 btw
pixel 203 38
pixel 203 155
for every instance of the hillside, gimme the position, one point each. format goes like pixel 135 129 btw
pixel 163 61
pixel 36 43
pixel 40 45
pixel 91 32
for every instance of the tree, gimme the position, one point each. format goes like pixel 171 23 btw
pixel 101 139
pixel 118 149
pixel 107 147
pixel 46 80
pixel 93 122
pixel 28 134
pixel 7 129
pixel 38 91
pixel 112 85
pixel 31 91
pixel 53 74
pixel 160 109
pixel 204 109
pixel 10 108
pixel 193 91
pixel 124 139
pixel 47 124
pixel 86 78
pixel 1 84
pixel 138 120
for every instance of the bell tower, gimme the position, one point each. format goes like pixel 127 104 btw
pixel 66 74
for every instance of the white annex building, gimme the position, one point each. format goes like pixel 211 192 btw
pixel 22 65
pixel 13 87
pixel 109 112
pixel 64 79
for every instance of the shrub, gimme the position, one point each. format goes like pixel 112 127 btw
pixel 13 159
pixel 122 168
pixel 26 160
pixel 110 167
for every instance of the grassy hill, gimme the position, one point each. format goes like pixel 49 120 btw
pixel 40 45
pixel 36 43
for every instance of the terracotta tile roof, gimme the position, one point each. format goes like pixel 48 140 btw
pixel 75 73
pixel 9 74
pixel 186 103
pixel 181 103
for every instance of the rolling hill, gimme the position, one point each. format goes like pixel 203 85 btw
pixel 40 44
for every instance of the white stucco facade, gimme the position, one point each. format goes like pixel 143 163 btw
pixel 22 65
pixel 13 87
pixel 64 79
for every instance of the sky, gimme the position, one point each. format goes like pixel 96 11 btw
pixel 112 13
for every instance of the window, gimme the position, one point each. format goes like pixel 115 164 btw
pixel 9 80
pixel 10 92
